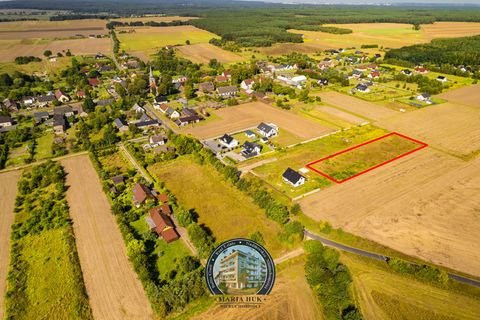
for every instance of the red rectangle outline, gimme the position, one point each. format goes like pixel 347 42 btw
pixel 310 165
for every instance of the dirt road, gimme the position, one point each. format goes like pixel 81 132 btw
pixel 8 192
pixel 112 285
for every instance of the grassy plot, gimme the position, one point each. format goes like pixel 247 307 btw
pixel 297 157
pixel 45 280
pixel 226 211
pixel 43 148
pixel 384 294
pixel 155 37
pixel 357 160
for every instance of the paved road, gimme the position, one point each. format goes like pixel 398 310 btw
pixel 333 244
pixel 151 113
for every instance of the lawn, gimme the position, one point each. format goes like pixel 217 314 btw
pixel 144 39
pixel 115 164
pixel 226 211
pixel 351 163
pixel 313 113
pixel 17 156
pixel 44 146
pixel 299 156
pixel 383 293
pixel 52 289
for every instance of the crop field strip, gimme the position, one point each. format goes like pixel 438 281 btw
pixel 353 162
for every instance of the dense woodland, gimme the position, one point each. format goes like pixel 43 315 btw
pixel 456 51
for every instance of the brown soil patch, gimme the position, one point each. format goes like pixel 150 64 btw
pixel 76 46
pixel 51 29
pixel 113 288
pixel 204 52
pixel 469 96
pixel 291 299
pixel 342 115
pixel 425 205
pixel 8 192
pixel 453 128
pixel 251 114
pixel 356 106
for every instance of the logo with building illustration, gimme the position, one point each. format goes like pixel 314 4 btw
pixel 240 267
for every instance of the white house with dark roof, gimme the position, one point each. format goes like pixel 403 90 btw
pixel 120 124
pixel 227 92
pixel 425 97
pixel 228 141
pixel 251 149
pixel 5 121
pixel 267 130
pixel 293 177
pixel 136 107
pixel 247 84
pixel 362 88
pixel 442 78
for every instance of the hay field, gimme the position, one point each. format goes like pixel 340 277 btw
pixel 77 47
pixel 8 192
pixel 388 35
pixel 204 52
pixel 147 38
pixel 51 29
pixel 291 298
pixel 425 205
pixel 342 115
pixel 154 18
pixel 469 96
pixel 358 107
pixel 113 287
pixel 450 127
pixel 251 114
pixel 384 294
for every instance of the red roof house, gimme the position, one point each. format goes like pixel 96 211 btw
pixel 162 224
pixel 140 194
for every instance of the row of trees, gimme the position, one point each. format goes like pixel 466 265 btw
pixel 113 24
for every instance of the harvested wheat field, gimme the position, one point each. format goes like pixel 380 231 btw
pixel 291 299
pixel 450 29
pixel 342 115
pixel 450 127
pixel 204 52
pixel 76 46
pixel 251 114
pixel 8 192
pixel 51 29
pixel 469 96
pixel 425 205
pixel 113 288
pixel 361 108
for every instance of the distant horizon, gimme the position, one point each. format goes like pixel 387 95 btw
pixel 375 2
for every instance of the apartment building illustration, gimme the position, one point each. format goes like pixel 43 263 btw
pixel 241 270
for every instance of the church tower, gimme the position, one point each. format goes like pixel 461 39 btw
pixel 152 83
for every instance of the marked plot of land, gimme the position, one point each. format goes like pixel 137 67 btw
pixel 360 159
pixel 343 115
pixel 113 288
pixel 8 192
pixel 204 52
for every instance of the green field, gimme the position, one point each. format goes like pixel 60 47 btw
pixel 384 294
pixel 145 39
pixel 226 211
pixel 299 156
pixel 43 150
pixel 350 163
pixel 311 112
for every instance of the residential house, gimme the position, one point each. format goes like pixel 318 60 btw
pixel 185 120
pixel 442 79
pixel 163 149
pixel 81 94
pixel 159 100
pixel 374 75
pixel 298 80
pixel 118 179
pixel 228 141
pixel 40 117
pixel 407 72
pixel 180 79
pixel 162 225
pixel 28 101
pixel 136 107
pixel 78 109
pixel 141 194
pixel 10 105
pixel 179 86
pixel 293 177
pixel 5 121
pixel 267 130
pixel 421 70
pixel 425 97
pixel 157 140
pixel 59 124
pixel 61 96
pixel 247 84
pixel 45 100
pixel 133 64
pixel 324 65
pixel 227 92
pixel 251 149
pixel 250 134
pixel 221 79
pixel 362 88
pixel 323 81
pixel 66 111
pixel 227 74
pixel 147 124
pixel 172 113
pixel 189 112
pixel 94 82
pixel 356 74
pixel 121 125
pixel 206 87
